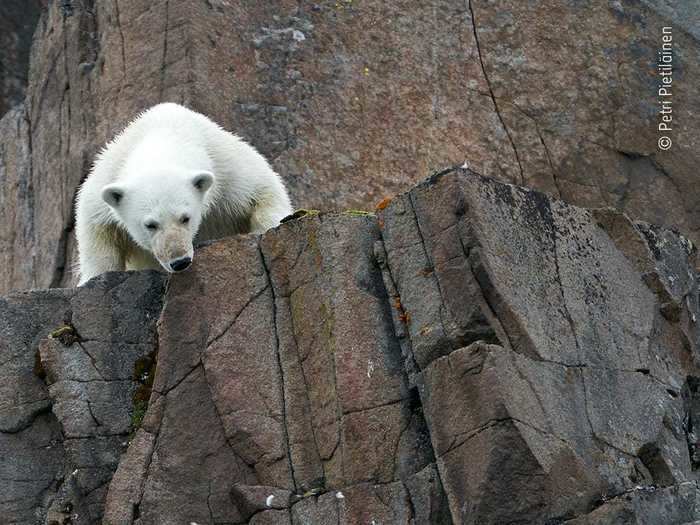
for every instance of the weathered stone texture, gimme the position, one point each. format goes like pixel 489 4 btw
pixel 284 391
pixel 354 101
pixel 580 397
pixel 18 20
pixel 66 400
pixel 478 353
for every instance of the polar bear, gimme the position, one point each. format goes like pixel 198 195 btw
pixel 172 177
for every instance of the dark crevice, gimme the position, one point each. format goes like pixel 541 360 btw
pixel 493 96
pixel 154 354
pixel 280 368
pixel 182 379
pixel 489 311
pixel 419 231
pixel 236 316
pixel 121 37
pixel 391 292
pixel 691 419
pixel 163 65
pixel 652 458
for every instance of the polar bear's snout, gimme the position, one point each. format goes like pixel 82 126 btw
pixel 181 264
pixel 172 247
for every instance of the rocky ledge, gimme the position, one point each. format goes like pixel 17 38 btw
pixel 475 353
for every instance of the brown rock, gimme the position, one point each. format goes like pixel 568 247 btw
pixel 353 102
pixel 479 353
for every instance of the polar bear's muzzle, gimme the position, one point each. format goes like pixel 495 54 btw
pixel 181 264
pixel 173 248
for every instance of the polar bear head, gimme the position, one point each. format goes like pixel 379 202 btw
pixel 162 210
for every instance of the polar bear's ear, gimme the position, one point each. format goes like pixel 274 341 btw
pixel 203 180
pixel 113 195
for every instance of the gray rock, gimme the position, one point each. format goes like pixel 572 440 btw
pixel 67 403
pixel 31 444
pixel 580 398
pixel 18 19
pixel 476 353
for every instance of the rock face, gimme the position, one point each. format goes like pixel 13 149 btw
pixel 66 401
pixel 18 20
pixel 354 101
pixel 477 353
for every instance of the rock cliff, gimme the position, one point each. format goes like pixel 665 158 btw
pixel 475 353
pixel 356 101
pixel 18 20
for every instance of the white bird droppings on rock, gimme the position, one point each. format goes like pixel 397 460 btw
pixel 269 499
pixel 339 495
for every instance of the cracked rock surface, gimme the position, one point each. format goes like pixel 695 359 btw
pixel 476 353
pixel 66 400
pixel 355 101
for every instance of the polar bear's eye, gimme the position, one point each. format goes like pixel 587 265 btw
pixel 185 219
pixel 152 226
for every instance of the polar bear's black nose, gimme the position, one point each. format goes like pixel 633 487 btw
pixel 181 264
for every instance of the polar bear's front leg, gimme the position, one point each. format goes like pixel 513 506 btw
pixel 269 209
pixel 97 257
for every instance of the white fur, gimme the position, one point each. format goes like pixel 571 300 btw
pixel 154 163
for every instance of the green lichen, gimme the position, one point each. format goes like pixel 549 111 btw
pixel 299 214
pixel 144 374
pixel 66 335
pixel 313 492
pixel 358 213
pixel 138 414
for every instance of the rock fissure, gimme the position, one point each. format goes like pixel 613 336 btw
pixel 428 260
pixel 490 88
pixel 163 63
pixel 230 324
pixel 181 380
pixel 280 369
pixel 122 43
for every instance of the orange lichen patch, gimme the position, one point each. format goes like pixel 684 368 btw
pixel 426 271
pixel 383 203
pixel 404 316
